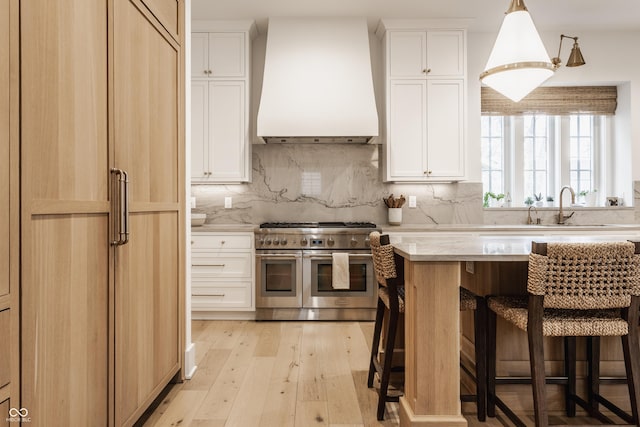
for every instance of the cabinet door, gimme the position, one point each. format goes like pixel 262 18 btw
pixel 199 130
pixel 199 55
pixel 227 55
pixel 407 54
pixel 65 212
pixel 227 132
pixel 445 128
pixel 445 53
pixel 166 11
pixel 407 132
pixel 147 87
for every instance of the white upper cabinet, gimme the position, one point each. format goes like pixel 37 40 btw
pixel 218 55
pixel 425 80
pixel 436 53
pixel 220 91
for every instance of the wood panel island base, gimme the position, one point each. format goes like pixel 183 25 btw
pixel 435 267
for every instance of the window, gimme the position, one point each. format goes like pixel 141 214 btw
pixel 532 156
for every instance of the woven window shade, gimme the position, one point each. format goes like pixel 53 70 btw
pixel 560 100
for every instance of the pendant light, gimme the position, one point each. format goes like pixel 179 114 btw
pixel 519 61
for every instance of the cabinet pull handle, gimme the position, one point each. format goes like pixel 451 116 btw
pixel 426 70
pixel 217 265
pixel 123 207
pixel 211 295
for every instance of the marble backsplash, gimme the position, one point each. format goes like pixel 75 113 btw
pixel 331 182
pixel 342 182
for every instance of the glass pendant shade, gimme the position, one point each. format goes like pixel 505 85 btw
pixel 519 61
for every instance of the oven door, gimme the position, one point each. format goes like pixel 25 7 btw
pixel 317 267
pixel 278 279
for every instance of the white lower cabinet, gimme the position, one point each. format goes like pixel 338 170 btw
pixel 222 272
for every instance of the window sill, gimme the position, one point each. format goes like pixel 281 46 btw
pixel 556 208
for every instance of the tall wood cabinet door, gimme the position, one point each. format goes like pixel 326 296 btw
pixel 65 212
pixel 407 132
pixel 149 269
pixel 227 131
pixel 200 130
pixel 167 12
pixel 445 128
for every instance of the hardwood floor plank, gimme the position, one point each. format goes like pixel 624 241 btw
pixel 250 401
pixel 280 406
pixel 311 413
pixel 208 370
pixel 182 408
pixel 222 394
pixel 311 386
pixel 269 340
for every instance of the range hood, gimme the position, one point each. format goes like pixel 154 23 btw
pixel 317 84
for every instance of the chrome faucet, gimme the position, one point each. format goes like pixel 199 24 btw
pixel 529 219
pixel 561 216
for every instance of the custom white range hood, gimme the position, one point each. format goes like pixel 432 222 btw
pixel 317 84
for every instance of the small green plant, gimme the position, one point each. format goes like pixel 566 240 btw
pixel 538 197
pixel 549 198
pixel 494 196
pixel 583 193
pixel 528 201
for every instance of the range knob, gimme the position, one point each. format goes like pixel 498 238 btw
pixel 276 241
pixel 267 241
pixel 303 241
pixel 330 241
pixel 366 242
pixel 283 241
pixel 353 242
pixel 261 242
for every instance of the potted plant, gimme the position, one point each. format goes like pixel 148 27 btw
pixel 490 199
pixel 528 201
pixel 538 198
pixel 589 197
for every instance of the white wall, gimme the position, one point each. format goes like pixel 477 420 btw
pixel 609 60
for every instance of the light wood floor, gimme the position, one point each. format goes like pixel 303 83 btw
pixel 277 374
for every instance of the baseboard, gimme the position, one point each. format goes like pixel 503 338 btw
pixel 190 361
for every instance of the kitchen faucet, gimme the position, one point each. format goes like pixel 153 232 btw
pixel 561 216
pixel 529 219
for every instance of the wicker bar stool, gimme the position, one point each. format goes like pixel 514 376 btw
pixel 389 270
pixel 574 289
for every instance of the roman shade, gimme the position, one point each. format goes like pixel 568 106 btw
pixel 556 100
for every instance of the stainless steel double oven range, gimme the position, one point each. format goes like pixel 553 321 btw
pixel 294 271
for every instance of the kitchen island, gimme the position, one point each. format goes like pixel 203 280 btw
pixel 435 267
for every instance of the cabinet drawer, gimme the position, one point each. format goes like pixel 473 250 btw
pixel 223 265
pixel 221 297
pixel 221 241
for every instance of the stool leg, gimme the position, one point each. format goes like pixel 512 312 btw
pixel 593 374
pixel 480 320
pixel 536 357
pixel 388 357
pixel 377 329
pixel 570 372
pixel 631 347
pixel 491 363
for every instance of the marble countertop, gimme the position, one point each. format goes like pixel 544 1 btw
pixel 480 248
pixel 463 228
pixel 224 228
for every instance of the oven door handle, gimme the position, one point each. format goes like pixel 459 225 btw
pixel 278 256
pixel 321 257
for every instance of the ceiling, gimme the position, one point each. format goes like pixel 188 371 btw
pixel 486 15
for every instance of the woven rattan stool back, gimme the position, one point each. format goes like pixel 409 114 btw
pixel 584 276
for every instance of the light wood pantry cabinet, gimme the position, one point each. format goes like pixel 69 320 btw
pixel 102 195
pixel 9 215
pixel 222 272
pixel 425 81
pixel 220 93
